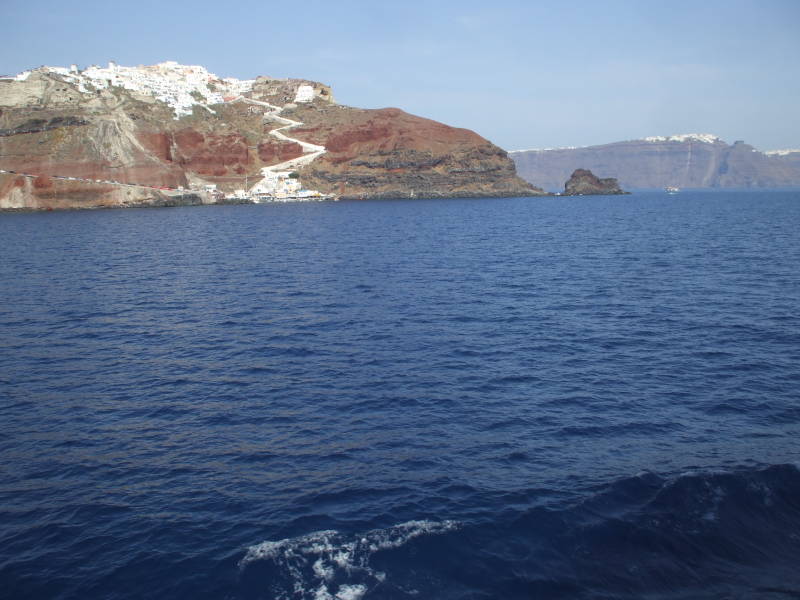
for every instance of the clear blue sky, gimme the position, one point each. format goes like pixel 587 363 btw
pixel 523 74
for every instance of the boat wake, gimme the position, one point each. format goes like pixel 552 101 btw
pixel 700 534
pixel 328 565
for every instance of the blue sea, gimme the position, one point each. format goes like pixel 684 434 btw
pixel 454 399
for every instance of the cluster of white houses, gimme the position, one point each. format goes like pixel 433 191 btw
pixel 274 187
pixel 179 86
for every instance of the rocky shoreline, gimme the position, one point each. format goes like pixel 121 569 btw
pixel 197 200
pixel 582 183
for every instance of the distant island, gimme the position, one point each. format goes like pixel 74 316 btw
pixel 685 161
pixel 176 134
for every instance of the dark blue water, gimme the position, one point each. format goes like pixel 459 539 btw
pixel 467 399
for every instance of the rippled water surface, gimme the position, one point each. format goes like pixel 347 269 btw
pixel 467 399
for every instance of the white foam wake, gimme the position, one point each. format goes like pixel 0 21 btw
pixel 314 565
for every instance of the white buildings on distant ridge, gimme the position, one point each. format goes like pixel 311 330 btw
pixel 180 86
pixel 785 152
pixel 706 138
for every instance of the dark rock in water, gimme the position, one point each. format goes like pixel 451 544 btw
pixel 585 183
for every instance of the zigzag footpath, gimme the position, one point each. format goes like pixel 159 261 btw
pixel 310 151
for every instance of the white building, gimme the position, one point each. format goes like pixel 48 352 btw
pixel 276 185
pixel 305 93
pixel 180 86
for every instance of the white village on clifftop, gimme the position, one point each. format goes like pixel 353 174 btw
pixel 182 87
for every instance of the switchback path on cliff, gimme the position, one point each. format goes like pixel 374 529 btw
pixel 310 151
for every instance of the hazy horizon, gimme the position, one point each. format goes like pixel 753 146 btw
pixel 523 76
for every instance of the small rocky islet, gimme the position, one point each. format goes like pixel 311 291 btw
pixel 583 182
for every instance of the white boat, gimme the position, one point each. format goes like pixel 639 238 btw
pixel 672 190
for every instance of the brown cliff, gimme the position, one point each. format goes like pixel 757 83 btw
pixel 50 128
pixel 388 153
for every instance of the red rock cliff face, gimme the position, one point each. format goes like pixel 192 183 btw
pixel 271 152
pixel 49 129
pixel 210 154
pixel 390 153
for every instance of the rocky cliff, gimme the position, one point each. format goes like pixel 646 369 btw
pixel 86 136
pixel 687 161
pixel 583 182
pixel 391 154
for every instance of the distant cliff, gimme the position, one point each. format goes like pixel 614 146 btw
pixel 119 136
pixel 687 161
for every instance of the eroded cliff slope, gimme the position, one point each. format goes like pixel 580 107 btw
pixel 71 131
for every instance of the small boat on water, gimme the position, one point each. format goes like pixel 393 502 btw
pixel 672 190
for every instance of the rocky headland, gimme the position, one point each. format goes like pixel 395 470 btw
pixel 388 153
pixel 134 136
pixel 686 161
pixel 583 182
